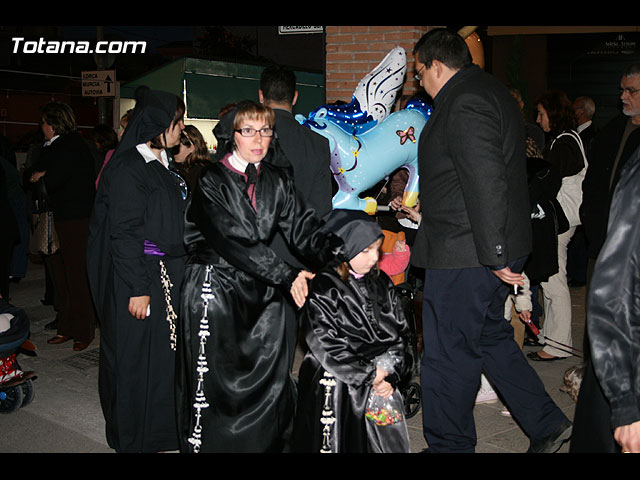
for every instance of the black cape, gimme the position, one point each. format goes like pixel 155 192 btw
pixel 234 386
pixel 344 337
pixel 137 201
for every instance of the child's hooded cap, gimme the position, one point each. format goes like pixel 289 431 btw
pixel 357 230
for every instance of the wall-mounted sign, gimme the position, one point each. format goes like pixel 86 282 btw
pixel 290 30
pixel 616 44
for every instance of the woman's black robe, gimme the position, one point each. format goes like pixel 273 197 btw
pixel 136 360
pixel 235 390
pixel 137 201
pixel 344 337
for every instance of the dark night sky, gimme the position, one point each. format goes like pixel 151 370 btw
pixel 153 35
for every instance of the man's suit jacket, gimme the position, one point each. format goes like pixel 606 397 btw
pixel 308 155
pixel 587 136
pixel 473 182
pixel 596 192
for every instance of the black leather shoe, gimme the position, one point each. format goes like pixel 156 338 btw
pixel 553 442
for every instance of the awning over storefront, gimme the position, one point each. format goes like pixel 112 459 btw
pixel 209 85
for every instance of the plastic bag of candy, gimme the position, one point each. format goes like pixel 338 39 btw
pixel 385 421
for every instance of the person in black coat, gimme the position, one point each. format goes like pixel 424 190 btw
pixel 66 166
pixel 306 151
pixel 9 234
pixel 614 321
pixel 611 149
pixel 472 242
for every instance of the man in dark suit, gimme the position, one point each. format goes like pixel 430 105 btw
pixel 584 108
pixel 306 155
pixel 474 238
pixel 306 151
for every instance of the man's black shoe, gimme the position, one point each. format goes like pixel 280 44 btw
pixel 553 442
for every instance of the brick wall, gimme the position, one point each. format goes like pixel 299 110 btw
pixel 353 51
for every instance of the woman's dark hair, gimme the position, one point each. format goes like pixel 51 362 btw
pixel 560 111
pixel 104 137
pixel 445 46
pixel 192 136
pixel 60 117
pixel 158 142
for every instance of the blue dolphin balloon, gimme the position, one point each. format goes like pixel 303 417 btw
pixel 360 160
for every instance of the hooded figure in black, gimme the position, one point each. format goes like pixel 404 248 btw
pixel 357 335
pixel 235 389
pixel 136 261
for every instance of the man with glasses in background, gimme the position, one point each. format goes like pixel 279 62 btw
pixel 610 150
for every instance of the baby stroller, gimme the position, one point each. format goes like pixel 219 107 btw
pixel 16 387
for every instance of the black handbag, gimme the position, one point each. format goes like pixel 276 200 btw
pixel 543 260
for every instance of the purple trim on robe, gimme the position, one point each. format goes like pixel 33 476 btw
pixel 151 248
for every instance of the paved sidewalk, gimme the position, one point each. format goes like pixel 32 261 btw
pixel 65 415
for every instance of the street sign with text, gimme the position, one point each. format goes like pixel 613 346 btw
pixel 99 83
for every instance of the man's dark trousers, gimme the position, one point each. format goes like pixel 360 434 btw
pixel 465 333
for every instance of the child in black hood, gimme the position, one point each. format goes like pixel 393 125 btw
pixel 357 336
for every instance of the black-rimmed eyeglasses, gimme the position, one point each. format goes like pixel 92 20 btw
pixel 251 132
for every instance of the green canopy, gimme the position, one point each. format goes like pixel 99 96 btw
pixel 209 85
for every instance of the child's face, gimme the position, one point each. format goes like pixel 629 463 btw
pixel 366 259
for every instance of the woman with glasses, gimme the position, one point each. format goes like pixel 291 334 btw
pixel 191 155
pixel 235 390
pixel 136 264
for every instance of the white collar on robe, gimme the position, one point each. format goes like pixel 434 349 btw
pixel 149 156
pixel 239 163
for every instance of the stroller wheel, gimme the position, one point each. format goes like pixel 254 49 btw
pixel 412 399
pixel 11 399
pixel 28 393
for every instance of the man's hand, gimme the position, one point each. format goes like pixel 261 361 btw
pixel 507 276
